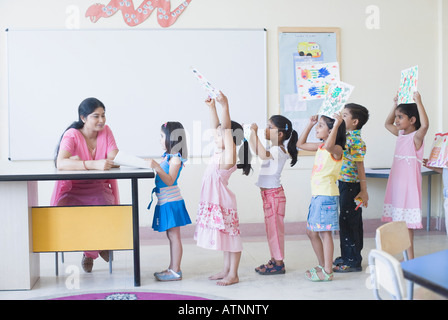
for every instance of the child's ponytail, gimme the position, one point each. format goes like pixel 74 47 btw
pixel 284 125
pixel 292 149
pixel 244 154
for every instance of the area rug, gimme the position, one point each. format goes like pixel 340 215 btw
pixel 130 296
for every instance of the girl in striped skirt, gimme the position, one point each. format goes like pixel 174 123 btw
pixel 170 212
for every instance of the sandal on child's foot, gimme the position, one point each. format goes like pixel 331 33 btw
pixel 270 262
pixel 343 268
pixel 315 277
pixel 168 275
pixel 271 268
pixel 338 261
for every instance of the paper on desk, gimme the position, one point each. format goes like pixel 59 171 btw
pixel 123 159
pixel 211 90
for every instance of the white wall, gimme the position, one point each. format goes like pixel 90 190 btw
pixel 371 60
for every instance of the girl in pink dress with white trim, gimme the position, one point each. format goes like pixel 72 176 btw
pixel 403 200
pixel 217 223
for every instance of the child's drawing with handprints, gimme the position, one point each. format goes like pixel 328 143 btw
pixel 336 98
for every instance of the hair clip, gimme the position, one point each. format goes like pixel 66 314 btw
pixel 286 127
pixel 165 124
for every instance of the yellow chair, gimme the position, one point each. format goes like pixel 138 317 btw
pixel 393 238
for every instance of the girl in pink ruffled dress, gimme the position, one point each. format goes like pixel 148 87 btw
pixel 403 200
pixel 217 223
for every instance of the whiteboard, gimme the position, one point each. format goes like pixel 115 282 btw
pixel 142 76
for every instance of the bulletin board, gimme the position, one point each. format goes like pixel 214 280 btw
pixel 299 47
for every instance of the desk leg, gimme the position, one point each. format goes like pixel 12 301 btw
pixel 136 233
pixel 428 216
pixel 19 266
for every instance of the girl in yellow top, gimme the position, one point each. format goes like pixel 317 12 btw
pixel 323 211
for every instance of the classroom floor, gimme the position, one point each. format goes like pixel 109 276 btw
pixel 199 263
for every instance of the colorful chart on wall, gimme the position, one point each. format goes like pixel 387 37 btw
pixel 308 64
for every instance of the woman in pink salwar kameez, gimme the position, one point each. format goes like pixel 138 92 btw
pixel 88 144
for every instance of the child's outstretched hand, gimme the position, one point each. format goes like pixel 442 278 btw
pixel 396 101
pixel 313 120
pixel 254 127
pixel 210 102
pixel 417 97
pixel 153 164
pixel 338 118
pixel 222 99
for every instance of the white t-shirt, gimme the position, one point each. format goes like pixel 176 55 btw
pixel 271 169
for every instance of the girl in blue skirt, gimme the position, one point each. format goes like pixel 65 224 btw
pixel 170 212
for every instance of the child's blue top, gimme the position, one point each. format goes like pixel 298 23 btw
pixel 165 165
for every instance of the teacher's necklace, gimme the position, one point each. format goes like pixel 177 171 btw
pixel 91 146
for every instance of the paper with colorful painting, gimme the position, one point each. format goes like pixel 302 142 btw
pixel 211 90
pixel 313 80
pixel 408 85
pixel 439 151
pixel 336 98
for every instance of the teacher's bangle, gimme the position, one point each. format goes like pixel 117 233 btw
pixel 84 163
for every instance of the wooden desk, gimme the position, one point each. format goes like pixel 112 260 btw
pixel 429 271
pixel 19 266
pixel 384 173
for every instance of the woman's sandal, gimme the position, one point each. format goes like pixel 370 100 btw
pixel 315 278
pixel 271 268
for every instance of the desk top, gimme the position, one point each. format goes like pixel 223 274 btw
pixel 384 172
pixel 429 271
pixel 47 172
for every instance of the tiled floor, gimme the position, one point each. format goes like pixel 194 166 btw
pixel 198 263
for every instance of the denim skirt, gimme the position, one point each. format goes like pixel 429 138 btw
pixel 323 214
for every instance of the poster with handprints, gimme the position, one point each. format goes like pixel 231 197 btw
pixel 313 80
pixel 408 85
pixel 439 152
pixel 335 99
pixel 298 49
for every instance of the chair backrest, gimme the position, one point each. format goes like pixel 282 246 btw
pixel 393 237
pixel 386 272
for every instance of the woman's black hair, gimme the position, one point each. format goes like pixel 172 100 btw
pixel 341 134
pixel 411 110
pixel 175 138
pixel 86 107
pixel 285 126
pixel 244 154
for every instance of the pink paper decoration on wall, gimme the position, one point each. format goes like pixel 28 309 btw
pixel 133 17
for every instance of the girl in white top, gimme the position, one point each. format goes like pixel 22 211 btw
pixel 279 130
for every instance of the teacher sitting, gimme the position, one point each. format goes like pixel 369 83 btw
pixel 88 144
